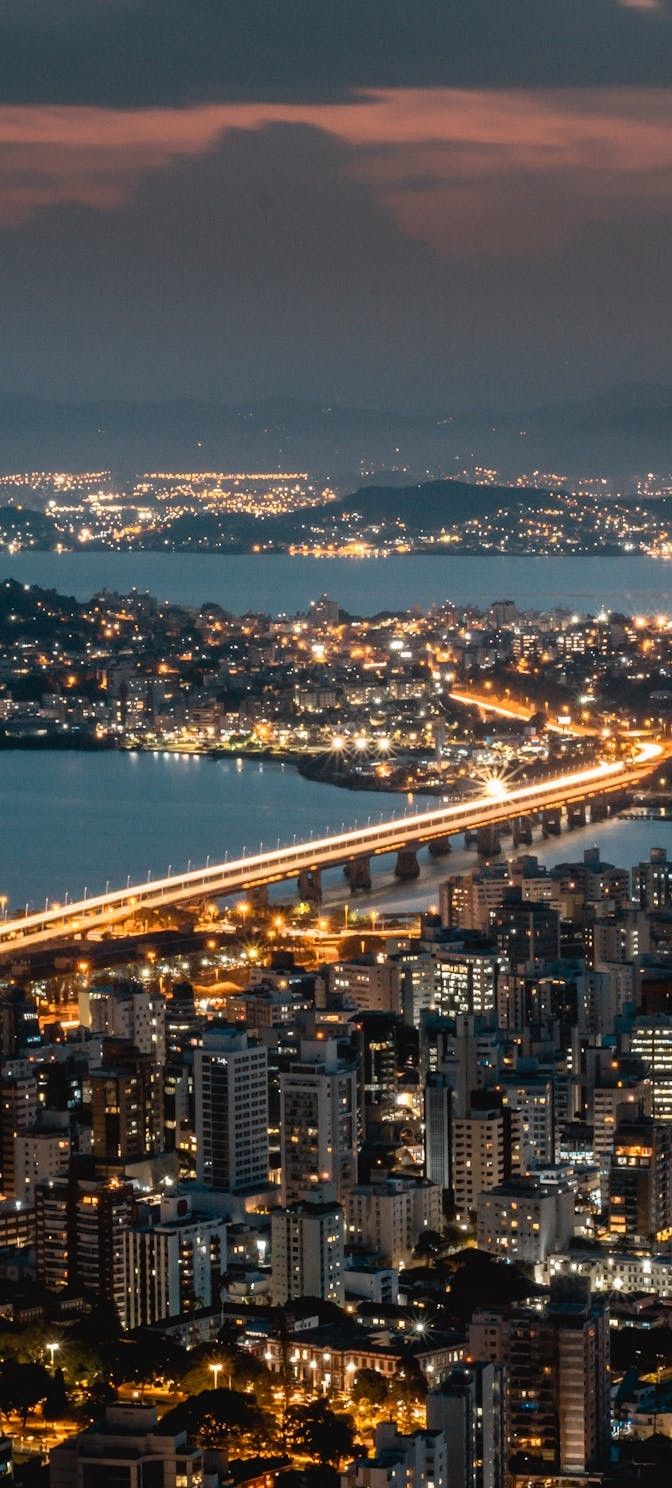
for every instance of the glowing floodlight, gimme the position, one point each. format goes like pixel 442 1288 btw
pixel 496 788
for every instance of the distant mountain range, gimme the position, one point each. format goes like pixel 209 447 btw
pixel 625 431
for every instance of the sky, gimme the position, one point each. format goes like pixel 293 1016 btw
pixel 416 204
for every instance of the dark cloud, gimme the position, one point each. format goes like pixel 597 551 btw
pixel 260 267
pixel 417 202
pixel 265 266
pixel 148 52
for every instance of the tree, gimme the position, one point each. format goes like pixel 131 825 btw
pixel 22 1387
pixel 478 1279
pixel 369 1387
pixel 101 1323
pixel 208 1363
pixel 26 1344
pixel 55 1403
pixel 216 1416
pixel 645 1349
pixel 321 1477
pixel 409 1387
pixel 82 1364
pixel 250 1375
pixel 147 1355
pixel 323 1434
pixel 430 1244
pixel 100 1393
pixel 410 1383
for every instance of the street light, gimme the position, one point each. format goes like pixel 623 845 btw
pixel 52 1348
pixel 215 1370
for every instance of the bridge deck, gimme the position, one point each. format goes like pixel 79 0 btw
pixel 225 879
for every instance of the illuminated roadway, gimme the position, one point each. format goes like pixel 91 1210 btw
pixel 221 880
pixel 506 706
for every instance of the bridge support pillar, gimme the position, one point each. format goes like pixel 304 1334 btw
pixel 310 886
pixel 576 815
pixel 521 827
pixel 259 897
pixel 599 809
pixel 407 866
pixel 551 823
pixel 488 842
pixel 358 874
pixel 439 847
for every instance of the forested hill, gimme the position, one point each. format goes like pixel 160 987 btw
pixel 430 505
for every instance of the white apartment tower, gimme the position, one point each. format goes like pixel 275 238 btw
pixel 174 1261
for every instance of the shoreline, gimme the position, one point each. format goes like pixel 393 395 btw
pixel 301 763
pixel 435 549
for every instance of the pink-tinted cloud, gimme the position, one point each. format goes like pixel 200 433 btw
pixel 500 172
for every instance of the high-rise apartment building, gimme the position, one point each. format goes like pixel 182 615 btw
pixel 38 1154
pixel 651 1041
pixel 531 1094
pixel 640 1181
pixel 526 931
pixel 231 1097
pixel 80 1228
pixel 523 1220
pixel 402 1461
pixel 390 1214
pixel 318 1121
pixel 469 1410
pixel 127 1010
pixel 307 1245
pixel 18 1115
pixel 379 1039
pixel 466 982
pixel 652 881
pixel 580 1326
pixel 469 901
pixel 126 1106
pixel 478 1156
pixel 52 1234
pixel 174 1261
pixel 439 1100
pixel 370 983
pixel 557 1385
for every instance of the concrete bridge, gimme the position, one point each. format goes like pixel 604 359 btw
pixel 352 849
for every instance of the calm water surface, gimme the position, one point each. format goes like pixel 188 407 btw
pixel 283 584
pixel 75 820
pixel 70 820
